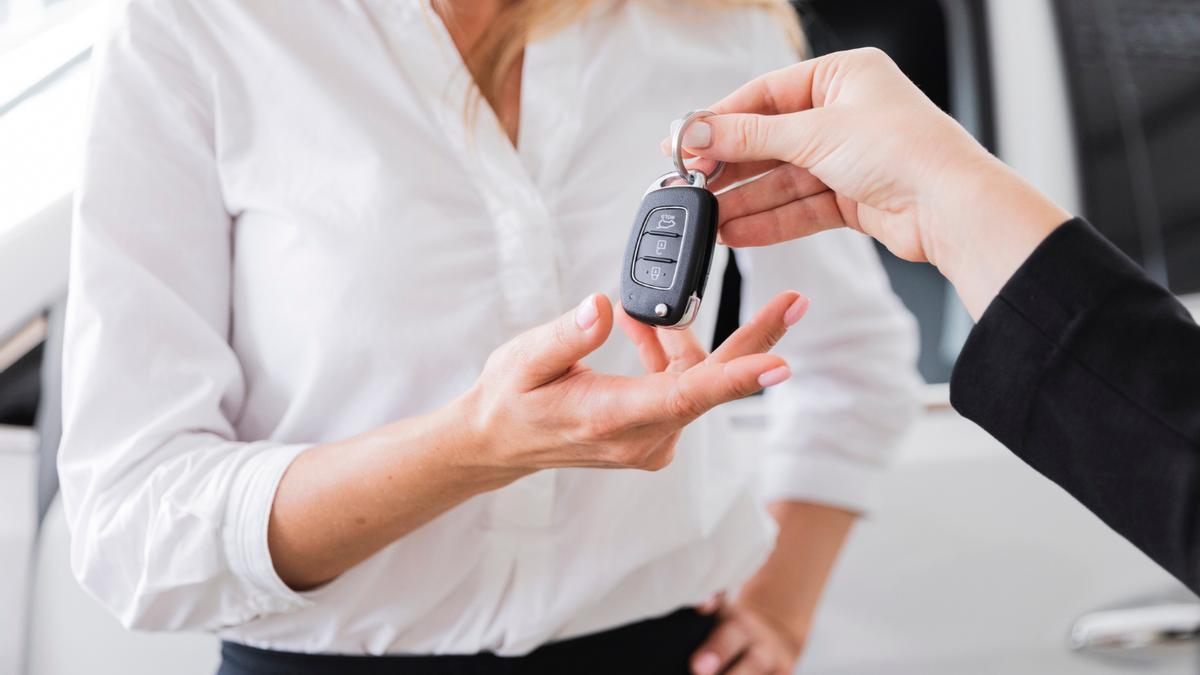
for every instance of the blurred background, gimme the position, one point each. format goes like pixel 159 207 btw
pixel 972 564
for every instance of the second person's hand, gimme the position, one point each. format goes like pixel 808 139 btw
pixel 846 140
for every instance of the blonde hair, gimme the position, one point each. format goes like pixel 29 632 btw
pixel 522 21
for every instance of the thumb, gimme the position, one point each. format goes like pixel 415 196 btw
pixel 742 137
pixel 546 352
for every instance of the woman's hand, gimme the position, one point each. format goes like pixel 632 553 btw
pixel 846 140
pixel 537 406
pixel 766 628
pixel 746 641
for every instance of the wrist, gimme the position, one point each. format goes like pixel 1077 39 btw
pixel 787 620
pixel 471 450
pixel 788 586
pixel 782 598
pixel 983 221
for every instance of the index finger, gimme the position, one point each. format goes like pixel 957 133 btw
pixel 682 349
pixel 645 338
pixel 778 92
pixel 786 90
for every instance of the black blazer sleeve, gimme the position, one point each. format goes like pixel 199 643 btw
pixel 1090 372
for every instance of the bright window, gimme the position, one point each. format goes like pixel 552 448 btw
pixel 44 50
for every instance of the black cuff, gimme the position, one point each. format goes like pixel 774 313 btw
pixel 998 373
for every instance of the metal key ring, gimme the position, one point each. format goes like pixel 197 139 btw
pixel 677 148
pixel 695 179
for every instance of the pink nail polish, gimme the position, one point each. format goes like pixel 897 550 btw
pixel 707 664
pixel 698 136
pixel 586 315
pixel 796 312
pixel 774 376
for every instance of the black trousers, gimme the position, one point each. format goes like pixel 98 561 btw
pixel 659 646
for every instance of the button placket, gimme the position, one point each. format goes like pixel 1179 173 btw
pixel 530 245
pixel 527 243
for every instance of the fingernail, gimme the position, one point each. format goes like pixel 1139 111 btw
pixel 774 376
pixel 796 312
pixel 698 135
pixel 707 664
pixel 586 315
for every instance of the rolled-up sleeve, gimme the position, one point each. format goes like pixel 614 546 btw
pixel 835 424
pixel 167 509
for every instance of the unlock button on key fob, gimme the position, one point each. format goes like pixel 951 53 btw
pixel 654 273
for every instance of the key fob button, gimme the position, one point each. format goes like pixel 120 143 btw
pixel 665 221
pixel 654 273
pixel 658 246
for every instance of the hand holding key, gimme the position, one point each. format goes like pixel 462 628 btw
pixel 536 406
pixel 846 140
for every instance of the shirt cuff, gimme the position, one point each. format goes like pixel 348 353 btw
pixel 1001 365
pixel 250 500
pixel 820 478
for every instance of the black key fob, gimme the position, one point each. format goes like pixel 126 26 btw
pixel 670 251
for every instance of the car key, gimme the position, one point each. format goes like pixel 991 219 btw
pixel 671 246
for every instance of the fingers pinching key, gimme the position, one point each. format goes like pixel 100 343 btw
pixel 677 133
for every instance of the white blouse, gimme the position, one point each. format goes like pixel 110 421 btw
pixel 285 235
